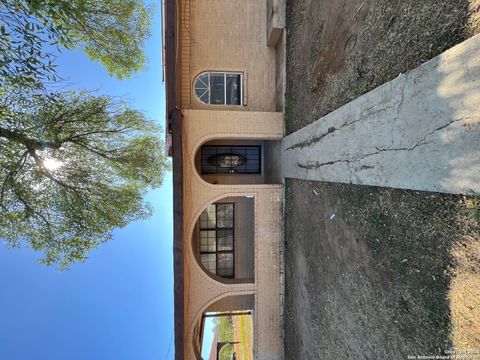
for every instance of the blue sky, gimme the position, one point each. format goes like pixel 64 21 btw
pixel 208 336
pixel 119 303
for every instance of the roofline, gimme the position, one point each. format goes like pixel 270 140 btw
pixel 178 248
pixel 173 131
pixel 170 54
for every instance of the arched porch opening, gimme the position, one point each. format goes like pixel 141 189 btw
pixel 237 161
pixel 223 240
pixel 225 329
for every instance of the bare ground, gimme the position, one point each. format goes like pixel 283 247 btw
pixel 374 273
pixel 339 50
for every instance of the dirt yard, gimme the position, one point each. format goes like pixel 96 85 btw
pixel 339 50
pixel 374 273
pixel 379 274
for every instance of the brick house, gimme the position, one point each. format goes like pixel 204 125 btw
pixel 224 87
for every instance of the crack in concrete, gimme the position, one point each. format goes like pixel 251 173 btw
pixel 422 142
pixel 332 129
pixel 313 140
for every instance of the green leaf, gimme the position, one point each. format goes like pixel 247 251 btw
pixel 110 156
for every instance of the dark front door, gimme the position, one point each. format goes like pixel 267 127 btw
pixel 235 159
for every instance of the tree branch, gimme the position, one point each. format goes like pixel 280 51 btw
pixel 11 175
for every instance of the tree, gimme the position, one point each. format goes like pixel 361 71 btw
pixel 73 167
pixel 112 32
pixel 223 326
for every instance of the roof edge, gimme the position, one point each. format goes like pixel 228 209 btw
pixel 178 246
pixel 173 146
pixel 169 53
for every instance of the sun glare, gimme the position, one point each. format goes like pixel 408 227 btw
pixel 52 164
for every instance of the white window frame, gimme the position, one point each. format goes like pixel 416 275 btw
pixel 225 73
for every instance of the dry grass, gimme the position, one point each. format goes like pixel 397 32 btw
pixel 464 293
pixel 439 253
pixel 243 332
pixel 394 273
pixel 339 50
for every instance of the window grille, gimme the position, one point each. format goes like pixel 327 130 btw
pixel 224 159
pixel 217 253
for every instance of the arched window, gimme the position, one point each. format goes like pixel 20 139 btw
pixel 219 88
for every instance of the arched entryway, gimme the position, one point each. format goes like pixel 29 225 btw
pixel 236 161
pixel 225 329
pixel 223 240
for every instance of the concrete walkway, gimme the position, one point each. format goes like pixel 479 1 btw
pixel 420 131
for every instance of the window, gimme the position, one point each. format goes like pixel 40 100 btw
pixel 219 88
pixel 216 239
pixel 234 159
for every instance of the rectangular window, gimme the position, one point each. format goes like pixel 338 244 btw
pixel 217 88
pixel 217 239
pixel 233 88
pixel 226 159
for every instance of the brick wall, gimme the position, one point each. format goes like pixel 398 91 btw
pixel 228 35
pixel 233 303
pixel 201 289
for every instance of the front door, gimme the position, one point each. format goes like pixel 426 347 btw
pixel 231 159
